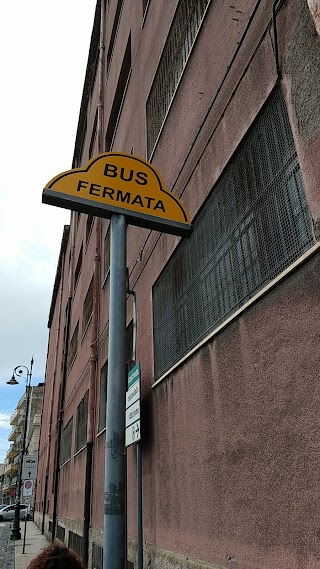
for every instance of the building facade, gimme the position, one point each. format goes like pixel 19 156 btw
pixel 223 98
pixel 18 422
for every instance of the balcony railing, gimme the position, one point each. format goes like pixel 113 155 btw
pixel 14 433
pixel 16 459
pixel 10 469
pixel 21 419
pixel 13 450
pixel 14 417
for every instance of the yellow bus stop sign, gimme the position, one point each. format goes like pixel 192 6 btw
pixel 114 183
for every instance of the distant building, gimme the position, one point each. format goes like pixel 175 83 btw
pixel 223 98
pixel 18 422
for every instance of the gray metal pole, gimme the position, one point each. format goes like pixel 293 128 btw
pixel 114 551
pixel 139 506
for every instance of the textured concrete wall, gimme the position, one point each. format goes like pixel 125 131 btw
pixel 230 438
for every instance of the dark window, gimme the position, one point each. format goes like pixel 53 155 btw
pixel 66 442
pixel 97 556
pixel 129 343
pixel 81 424
pixel 87 307
pixel 103 397
pixel 61 532
pixel 94 136
pixel 113 33
pixel 106 254
pixel 73 348
pixel 89 225
pixel 119 96
pixel 75 542
pixel 253 226
pixel 78 268
pixel 181 37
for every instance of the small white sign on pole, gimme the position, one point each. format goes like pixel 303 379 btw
pixel 27 488
pixel 29 467
pixel 133 431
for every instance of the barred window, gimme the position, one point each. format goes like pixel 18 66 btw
pixel 87 308
pixel 93 136
pixel 78 268
pixel 106 254
pixel 182 35
pixel 81 424
pixel 73 346
pixel 66 442
pixel 103 397
pixel 75 542
pixel 253 226
pixel 89 225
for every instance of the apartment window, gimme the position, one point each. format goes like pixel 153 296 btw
pixel 78 268
pixel 94 136
pixel 182 35
pixel 252 227
pixel 87 308
pixel 119 96
pixel 129 343
pixel 66 442
pixel 113 33
pixel 103 397
pixel 89 225
pixel 145 5
pixel 106 254
pixel 75 542
pixel 81 424
pixel 73 348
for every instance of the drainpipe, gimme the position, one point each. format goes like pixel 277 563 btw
pixel 93 379
pixel 63 379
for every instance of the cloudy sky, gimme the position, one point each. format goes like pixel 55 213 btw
pixel 43 49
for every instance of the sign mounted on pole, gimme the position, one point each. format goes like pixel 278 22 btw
pixel 132 426
pixel 27 488
pixel 29 466
pixel 119 183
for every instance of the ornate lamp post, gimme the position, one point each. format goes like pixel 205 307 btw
pixel 18 372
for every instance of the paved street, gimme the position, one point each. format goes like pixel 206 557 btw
pixel 6 547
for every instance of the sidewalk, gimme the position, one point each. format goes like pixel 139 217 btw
pixel 34 543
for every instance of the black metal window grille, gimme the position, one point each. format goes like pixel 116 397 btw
pixel 87 307
pixel 81 424
pixel 252 227
pixel 97 556
pixel 66 442
pixel 61 533
pixel 73 348
pixel 75 542
pixel 182 35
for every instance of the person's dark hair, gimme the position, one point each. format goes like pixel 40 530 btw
pixel 56 557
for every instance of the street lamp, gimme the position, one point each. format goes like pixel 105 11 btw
pixel 18 372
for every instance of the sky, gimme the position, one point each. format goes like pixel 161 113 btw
pixel 44 49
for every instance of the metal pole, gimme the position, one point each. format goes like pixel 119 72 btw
pixel 139 506
pixel 25 533
pixel 139 451
pixel 114 490
pixel 15 530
